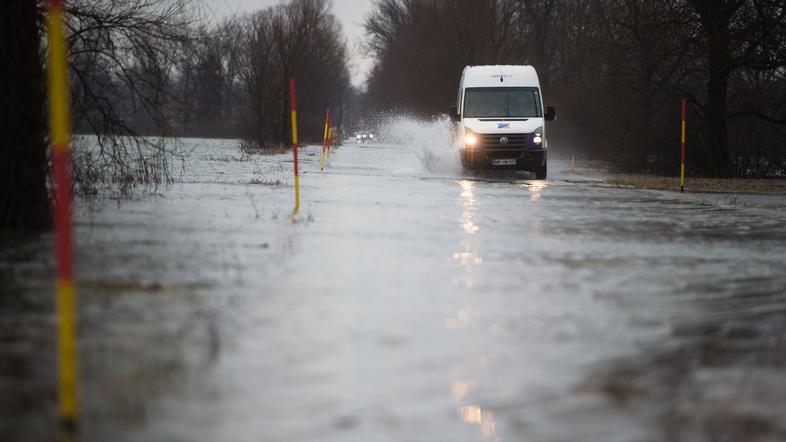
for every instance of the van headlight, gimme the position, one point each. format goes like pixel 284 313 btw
pixel 538 138
pixel 470 139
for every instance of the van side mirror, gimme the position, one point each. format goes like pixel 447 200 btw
pixel 551 113
pixel 454 115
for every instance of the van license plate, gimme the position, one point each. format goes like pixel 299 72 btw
pixel 511 162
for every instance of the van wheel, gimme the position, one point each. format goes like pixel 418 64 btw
pixel 541 172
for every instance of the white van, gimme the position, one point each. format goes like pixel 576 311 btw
pixel 501 122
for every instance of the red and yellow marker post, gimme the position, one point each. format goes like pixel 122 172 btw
pixel 59 134
pixel 293 104
pixel 325 139
pixel 329 134
pixel 682 156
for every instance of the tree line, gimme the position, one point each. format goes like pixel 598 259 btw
pixel 144 70
pixel 153 67
pixel 616 70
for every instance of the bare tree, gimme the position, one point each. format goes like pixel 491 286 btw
pixel 299 39
pixel 122 54
pixel 420 61
pixel 737 34
pixel 616 68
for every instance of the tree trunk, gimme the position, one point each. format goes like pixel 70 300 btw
pixel 717 91
pixel 24 201
pixel 715 21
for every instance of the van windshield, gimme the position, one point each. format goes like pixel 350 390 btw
pixel 502 102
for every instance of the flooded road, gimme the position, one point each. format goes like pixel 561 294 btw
pixel 408 301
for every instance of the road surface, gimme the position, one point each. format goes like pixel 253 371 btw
pixel 411 301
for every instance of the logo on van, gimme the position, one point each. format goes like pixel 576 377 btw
pixel 504 140
pixel 503 125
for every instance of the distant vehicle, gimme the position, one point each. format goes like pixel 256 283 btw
pixel 500 119
pixel 364 137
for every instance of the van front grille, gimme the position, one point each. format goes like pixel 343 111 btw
pixel 495 140
pixel 496 148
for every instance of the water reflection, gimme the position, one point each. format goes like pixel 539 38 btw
pixel 473 414
pixel 535 190
pixel 478 363
pixel 467 255
pixel 461 387
pixel 468 203
pixel 535 194
pixel 470 259
pixel 463 317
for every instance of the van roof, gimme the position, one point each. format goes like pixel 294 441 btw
pixel 500 76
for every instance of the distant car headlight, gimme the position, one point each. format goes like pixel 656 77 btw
pixel 470 139
pixel 371 136
pixel 538 138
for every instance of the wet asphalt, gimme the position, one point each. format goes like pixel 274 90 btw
pixel 408 300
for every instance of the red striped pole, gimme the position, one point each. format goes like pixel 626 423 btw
pixel 682 156
pixel 59 134
pixel 293 106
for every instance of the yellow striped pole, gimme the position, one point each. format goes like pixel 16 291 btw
pixel 293 106
pixel 324 140
pixel 59 134
pixel 330 135
pixel 682 155
pixel 330 142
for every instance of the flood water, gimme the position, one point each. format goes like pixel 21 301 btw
pixel 407 301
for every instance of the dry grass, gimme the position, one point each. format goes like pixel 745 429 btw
pixel 251 149
pixel 732 185
pixel 657 182
pixel 265 182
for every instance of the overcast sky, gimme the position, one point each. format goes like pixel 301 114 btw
pixel 350 13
